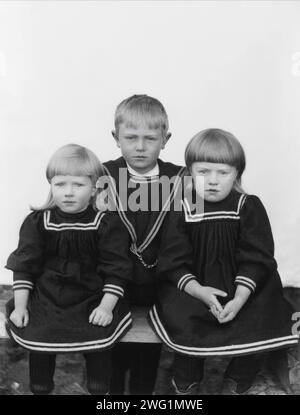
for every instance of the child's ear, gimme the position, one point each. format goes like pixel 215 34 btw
pixel 115 137
pixel 166 139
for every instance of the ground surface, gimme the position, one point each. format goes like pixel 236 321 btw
pixel 69 375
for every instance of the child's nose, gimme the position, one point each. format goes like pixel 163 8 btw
pixel 69 190
pixel 213 178
pixel 140 145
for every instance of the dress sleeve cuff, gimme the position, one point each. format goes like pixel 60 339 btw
pixel 246 282
pixel 113 289
pixel 184 280
pixel 22 284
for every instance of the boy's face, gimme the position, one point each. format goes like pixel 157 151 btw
pixel 140 145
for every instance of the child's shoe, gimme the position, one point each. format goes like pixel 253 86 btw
pixel 231 387
pixel 41 389
pixel 192 389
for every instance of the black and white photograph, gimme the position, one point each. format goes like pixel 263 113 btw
pixel 150 214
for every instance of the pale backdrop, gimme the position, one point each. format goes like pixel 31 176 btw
pixel 64 66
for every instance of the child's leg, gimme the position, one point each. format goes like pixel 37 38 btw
pixel 277 362
pixel 145 361
pixel 142 361
pixel 121 362
pixel 41 372
pixel 187 373
pixel 98 371
pixel 243 370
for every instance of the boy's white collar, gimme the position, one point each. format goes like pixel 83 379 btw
pixel 151 173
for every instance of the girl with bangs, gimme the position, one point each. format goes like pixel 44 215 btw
pixel 70 271
pixel 220 293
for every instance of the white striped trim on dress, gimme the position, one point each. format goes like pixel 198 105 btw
pixel 184 280
pixel 241 202
pixel 113 289
pixel 198 217
pixel 67 226
pixel 222 350
pixel 20 284
pixel 79 346
pixel 247 282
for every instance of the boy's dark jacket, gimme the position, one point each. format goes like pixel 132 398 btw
pixel 143 226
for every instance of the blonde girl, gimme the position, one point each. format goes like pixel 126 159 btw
pixel 70 272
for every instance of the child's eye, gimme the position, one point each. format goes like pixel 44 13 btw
pixel 78 184
pixel 224 172
pixel 202 171
pixel 59 184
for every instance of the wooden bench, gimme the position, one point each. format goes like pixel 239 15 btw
pixel 140 332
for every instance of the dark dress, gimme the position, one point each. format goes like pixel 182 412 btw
pixel 230 243
pixel 69 261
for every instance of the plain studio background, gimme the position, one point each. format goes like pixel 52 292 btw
pixel 64 66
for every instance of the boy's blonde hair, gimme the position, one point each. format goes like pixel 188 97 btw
pixel 141 108
pixel 72 160
pixel 214 145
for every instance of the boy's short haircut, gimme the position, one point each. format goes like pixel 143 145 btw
pixel 142 108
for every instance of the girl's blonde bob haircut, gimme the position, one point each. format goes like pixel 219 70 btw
pixel 72 160
pixel 214 145
pixel 141 109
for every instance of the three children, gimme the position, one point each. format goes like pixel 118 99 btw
pixel 210 278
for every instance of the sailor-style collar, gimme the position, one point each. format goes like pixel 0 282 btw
pixel 112 170
pixel 224 213
pixel 58 220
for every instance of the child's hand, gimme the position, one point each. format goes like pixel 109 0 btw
pixel 20 317
pixel 101 316
pixel 209 296
pixel 233 307
pixel 214 311
pixel 230 310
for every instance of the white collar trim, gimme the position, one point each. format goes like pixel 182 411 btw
pixel 151 173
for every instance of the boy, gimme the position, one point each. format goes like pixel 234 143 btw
pixel 141 132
